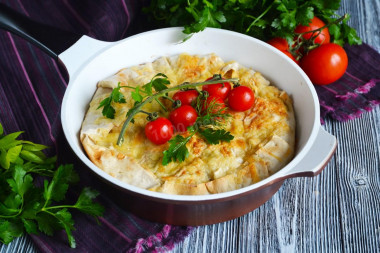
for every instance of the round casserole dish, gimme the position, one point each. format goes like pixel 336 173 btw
pixel 89 61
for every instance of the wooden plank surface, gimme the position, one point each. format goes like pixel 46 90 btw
pixel 337 211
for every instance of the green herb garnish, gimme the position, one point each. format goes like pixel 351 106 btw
pixel 115 96
pixel 27 207
pixel 208 126
pixel 177 150
pixel 144 94
pixel 208 123
pixel 215 136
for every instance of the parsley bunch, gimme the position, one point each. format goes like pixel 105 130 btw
pixel 260 19
pixel 27 207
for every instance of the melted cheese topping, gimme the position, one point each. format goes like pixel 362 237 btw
pixel 263 136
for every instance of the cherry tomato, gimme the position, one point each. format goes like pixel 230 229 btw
pixel 186 97
pixel 159 131
pixel 183 117
pixel 217 104
pixel 241 98
pixel 220 90
pixel 279 43
pixel 325 64
pixel 322 38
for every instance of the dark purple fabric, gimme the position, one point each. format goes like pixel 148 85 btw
pixel 31 91
pixel 357 91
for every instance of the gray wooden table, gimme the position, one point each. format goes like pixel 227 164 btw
pixel 337 211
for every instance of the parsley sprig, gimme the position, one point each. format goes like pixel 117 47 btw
pixel 27 207
pixel 117 97
pixel 177 150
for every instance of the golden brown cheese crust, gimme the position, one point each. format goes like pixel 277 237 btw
pixel 263 136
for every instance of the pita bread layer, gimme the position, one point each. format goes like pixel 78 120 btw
pixel 263 136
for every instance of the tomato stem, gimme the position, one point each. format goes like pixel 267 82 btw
pixel 176 103
pixel 326 25
pixel 162 106
pixel 169 98
pixel 151 115
pixel 309 44
pixel 204 94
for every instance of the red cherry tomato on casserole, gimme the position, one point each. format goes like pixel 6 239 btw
pixel 322 38
pixel 241 98
pixel 325 64
pixel 216 103
pixel 220 90
pixel 186 97
pixel 159 131
pixel 183 117
pixel 279 43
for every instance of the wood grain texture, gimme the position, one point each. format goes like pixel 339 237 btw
pixel 336 211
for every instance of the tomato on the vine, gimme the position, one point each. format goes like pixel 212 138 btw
pixel 325 64
pixel 186 97
pixel 220 90
pixel 241 98
pixel 183 117
pixel 279 43
pixel 322 38
pixel 159 131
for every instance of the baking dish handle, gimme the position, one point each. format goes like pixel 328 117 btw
pixel 317 158
pixel 82 52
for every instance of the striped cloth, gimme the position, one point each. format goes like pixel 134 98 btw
pixel 357 91
pixel 31 91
